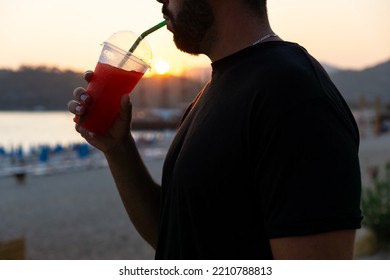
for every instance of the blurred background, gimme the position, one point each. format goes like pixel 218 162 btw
pixel 57 198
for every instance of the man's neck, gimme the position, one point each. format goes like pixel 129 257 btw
pixel 235 28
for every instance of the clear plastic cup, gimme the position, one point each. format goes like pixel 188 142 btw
pixel 117 73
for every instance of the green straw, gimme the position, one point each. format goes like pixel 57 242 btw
pixel 132 49
pixel 140 38
pixel 146 33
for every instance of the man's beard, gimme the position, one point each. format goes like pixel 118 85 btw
pixel 192 26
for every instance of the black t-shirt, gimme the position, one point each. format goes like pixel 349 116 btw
pixel 268 150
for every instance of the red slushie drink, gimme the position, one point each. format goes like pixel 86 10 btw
pixel 106 89
pixel 116 74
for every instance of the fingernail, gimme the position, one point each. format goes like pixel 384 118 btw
pixel 91 134
pixel 78 108
pixel 83 97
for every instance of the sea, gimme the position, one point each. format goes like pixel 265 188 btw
pixel 46 142
pixel 29 129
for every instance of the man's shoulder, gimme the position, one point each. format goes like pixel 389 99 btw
pixel 279 58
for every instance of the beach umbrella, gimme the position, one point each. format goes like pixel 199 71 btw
pixel 44 154
pixel 83 150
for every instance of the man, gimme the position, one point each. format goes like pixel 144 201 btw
pixel 265 162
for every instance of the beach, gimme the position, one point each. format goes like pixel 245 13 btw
pixel 79 215
pixel 76 215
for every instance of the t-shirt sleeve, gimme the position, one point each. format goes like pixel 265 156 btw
pixel 308 174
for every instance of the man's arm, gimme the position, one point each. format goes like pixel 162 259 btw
pixel 335 245
pixel 139 193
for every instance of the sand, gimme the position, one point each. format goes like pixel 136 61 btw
pixel 76 215
pixel 79 215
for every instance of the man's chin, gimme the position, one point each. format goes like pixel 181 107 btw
pixel 169 25
pixel 186 49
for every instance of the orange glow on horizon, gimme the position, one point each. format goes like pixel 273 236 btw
pixel 162 67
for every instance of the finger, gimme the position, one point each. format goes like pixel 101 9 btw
pixel 81 95
pixel 75 107
pixel 80 130
pixel 88 135
pixel 77 92
pixel 77 127
pixel 126 108
pixel 88 75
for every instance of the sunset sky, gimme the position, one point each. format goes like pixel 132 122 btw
pixel 67 33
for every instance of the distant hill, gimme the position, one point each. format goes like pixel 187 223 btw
pixel 370 83
pixel 330 68
pixel 37 88
pixel 42 88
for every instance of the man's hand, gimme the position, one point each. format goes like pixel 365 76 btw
pixel 119 132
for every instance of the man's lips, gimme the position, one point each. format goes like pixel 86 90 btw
pixel 169 24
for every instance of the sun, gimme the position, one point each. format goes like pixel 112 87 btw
pixel 162 67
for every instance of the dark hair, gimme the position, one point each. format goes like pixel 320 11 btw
pixel 257 5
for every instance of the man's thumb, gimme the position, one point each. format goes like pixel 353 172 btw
pixel 126 108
